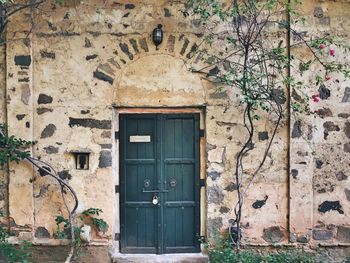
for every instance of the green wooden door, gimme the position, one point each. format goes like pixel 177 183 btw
pixel 159 181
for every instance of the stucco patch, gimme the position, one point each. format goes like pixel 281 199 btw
pixel 159 80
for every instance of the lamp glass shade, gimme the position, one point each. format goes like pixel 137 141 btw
pixel 157 35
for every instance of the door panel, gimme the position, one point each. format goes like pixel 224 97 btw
pixel 138 166
pixel 178 138
pixel 139 127
pixel 179 229
pixel 137 174
pixel 181 183
pixel 180 153
pixel 165 165
pixel 140 236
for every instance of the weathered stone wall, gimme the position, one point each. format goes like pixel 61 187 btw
pixel 76 64
pixel 80 60
pixel 319 142
pixel 3 174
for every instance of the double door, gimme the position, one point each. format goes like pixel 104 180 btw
pixel 159 180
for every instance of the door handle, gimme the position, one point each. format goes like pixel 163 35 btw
pixel 154 191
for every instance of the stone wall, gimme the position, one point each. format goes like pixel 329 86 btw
pixel 319 153
pixel 65 78
pixel 3 174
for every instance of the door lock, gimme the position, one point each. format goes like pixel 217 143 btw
pixel 155 200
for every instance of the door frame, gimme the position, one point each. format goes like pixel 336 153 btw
pixel 116 167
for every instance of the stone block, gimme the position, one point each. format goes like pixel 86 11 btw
pixel 273 234
pixel 85 234
pixel 25 236
pixel 42 232
pixel 343 234
pixel 105 159
pixel 215 195
pixel 216 155
pixel 320 234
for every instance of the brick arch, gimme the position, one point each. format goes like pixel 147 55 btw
pixel 130 49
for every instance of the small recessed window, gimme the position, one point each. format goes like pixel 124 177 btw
pixel 82 161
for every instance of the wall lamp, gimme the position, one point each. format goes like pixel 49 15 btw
pixel 157 35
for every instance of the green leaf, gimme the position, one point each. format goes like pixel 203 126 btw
pixel 92 211
pixel 60 2
pixel 100 224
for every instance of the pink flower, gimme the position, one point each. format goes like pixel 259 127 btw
pixel 332 52
pixel 327 77
pixel 315 98
pixel 322 46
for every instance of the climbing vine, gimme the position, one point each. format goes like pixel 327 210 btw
pixel 88 217
pixel 246 54
pixel 15 149
pixel 10 7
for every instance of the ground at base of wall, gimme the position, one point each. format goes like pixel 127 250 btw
pixel 58 254
pixel 332 255
pixel 100 254
pixel 319 255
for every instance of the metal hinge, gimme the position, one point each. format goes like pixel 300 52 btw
pixel 116 189
pixel 117 236
pixel 202 182
pixel 201 133
pixel 116 135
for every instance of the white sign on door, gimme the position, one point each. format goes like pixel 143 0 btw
pixel 140 138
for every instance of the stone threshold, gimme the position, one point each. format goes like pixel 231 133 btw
pixel 164 258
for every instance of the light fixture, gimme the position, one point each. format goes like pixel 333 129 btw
pixel 81 157
pixel 157 35
pixel 82 161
